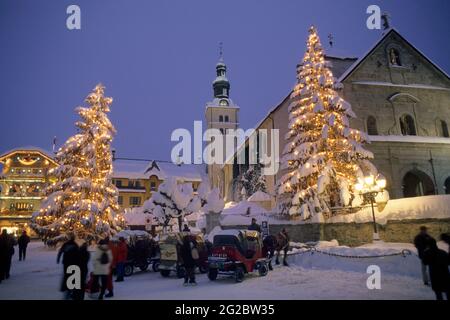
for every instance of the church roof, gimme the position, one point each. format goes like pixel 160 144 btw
pixel 388 32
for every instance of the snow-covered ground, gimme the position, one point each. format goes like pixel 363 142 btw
pixel 310 276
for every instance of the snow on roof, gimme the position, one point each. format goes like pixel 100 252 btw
pixel 137 218
pixel 28 148
pixel 410 139
pixel 339 54
pixel 244 207
pixel 259 196
pixel 186 172
pixel 212 233
pixel 216 103
pixel 220 78
pixel 229 232
pixel 134 169
pixel 230 204
pixel 130 169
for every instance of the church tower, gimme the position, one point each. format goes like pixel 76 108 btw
pixel 222 114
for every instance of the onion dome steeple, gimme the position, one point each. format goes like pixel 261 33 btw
pixel 221 85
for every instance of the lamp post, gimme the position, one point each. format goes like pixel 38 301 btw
pixel 368 188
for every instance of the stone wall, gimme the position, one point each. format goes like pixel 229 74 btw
pixel 355 234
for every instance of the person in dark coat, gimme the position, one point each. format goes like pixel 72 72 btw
pixel 421 242
pixel 70 256
pixel 83 260
pixel 446 238
pixel 283 240
pixel 5 255
pixel 186 228
pixel 188 260
pixel 268 249
pixel 6 252
pixel 254 226
pixel 209 246
pixel 438 261
pixel 23 241
pixel 2 257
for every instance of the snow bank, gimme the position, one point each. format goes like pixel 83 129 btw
pixel 242 214
pixel 328 255
pixel 259 196
pixel 245 208
pixel 427 207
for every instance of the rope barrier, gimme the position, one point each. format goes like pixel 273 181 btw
pixel 404 253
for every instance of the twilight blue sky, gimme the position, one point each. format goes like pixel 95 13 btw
pixel 157 59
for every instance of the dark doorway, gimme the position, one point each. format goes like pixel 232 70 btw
pixel 447 185
pixel 417 183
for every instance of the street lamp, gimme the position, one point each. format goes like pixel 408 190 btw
pixel 368 188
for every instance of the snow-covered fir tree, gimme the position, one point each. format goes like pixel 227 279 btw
pixel 253 180
pixel 83 198
pixel 323 156
pixel 176 200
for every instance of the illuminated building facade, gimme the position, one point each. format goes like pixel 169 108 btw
pixel 22 183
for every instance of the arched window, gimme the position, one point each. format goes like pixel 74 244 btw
pixel 394 57
pixel 407 125
pixel 417 183
pixel 220 118
pixel 226 119
pixel 372 126
pixel 444 129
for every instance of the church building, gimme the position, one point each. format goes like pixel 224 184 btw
pixel 401 100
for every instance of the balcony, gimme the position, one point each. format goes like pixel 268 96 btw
pixel 139 189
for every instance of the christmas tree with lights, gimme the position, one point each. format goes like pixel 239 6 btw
pixel 323 157
pixel 83 199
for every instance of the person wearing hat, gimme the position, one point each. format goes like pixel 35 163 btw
pixel 254 226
